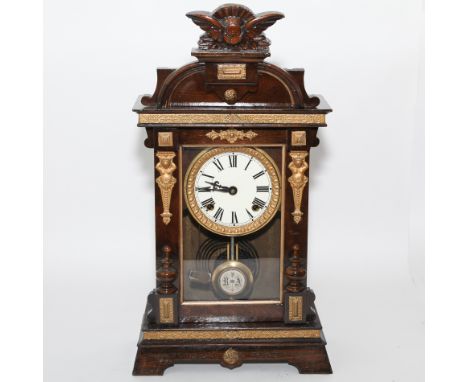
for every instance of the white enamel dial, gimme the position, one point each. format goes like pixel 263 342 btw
pixel 233 191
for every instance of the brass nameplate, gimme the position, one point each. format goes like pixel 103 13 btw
pixel 270 119
pixel 232 72
pixel 229 334
pixel 166 310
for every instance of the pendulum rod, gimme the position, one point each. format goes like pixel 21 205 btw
pixel 232 249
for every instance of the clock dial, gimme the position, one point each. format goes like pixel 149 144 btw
pixel 236 195
pixel 233 191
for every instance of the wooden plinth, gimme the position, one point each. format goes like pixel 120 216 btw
pixel 232 345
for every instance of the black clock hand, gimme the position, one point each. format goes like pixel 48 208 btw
pixel 218 187
pixel 204 189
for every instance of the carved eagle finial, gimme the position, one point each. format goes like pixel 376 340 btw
pixel 234 26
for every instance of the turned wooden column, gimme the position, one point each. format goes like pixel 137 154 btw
pixel 295 298
pixel 295 272
pixel 166 274
pixel 166 292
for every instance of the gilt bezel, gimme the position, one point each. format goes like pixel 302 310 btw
pixel 199 215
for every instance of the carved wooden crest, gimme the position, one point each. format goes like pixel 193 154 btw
pixel 234 27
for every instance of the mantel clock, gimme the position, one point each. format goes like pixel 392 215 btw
pixel 231 135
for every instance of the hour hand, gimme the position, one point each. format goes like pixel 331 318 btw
pixel 204 189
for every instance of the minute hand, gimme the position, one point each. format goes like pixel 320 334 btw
pixel 218 187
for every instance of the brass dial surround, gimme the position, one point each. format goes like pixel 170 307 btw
pixel 199 215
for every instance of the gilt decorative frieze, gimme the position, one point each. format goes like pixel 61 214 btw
pixel 298 181
pixel 229 335
pixel 235 118
pixel 231 135
pixel 166 181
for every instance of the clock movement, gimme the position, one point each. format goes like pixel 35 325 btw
pixel 231 135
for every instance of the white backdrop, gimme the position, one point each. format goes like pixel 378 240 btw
pixel 366 181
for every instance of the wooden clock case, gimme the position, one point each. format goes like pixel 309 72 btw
pixel 230 96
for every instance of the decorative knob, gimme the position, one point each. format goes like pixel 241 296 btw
pixel 230 96
pixel 231 357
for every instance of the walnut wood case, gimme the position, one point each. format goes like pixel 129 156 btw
pixel 231 97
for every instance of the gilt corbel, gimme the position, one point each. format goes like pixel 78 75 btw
pixel 166 181
pixel 298 181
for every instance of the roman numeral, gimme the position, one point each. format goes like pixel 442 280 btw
pixel 259 174
pixel 218 164
pixel 248 164
pixel 207 202
pixel 259 202
pixel 208 176
pixel 263 188
pixel 204 189
pixel 248 213
pixel 233 160
pixel 234 218
pixel 219 214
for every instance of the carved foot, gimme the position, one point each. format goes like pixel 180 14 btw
pixel 150 364
pixel 307 368
pixel 313 361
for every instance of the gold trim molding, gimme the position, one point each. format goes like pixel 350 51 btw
pixel 166 181
pixel 270 119
pixel 298 181
pixel 231 135
pixel 235 334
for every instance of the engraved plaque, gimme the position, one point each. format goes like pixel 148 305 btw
pixel 232 72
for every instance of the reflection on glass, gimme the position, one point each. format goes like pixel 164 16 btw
pixel 223 268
